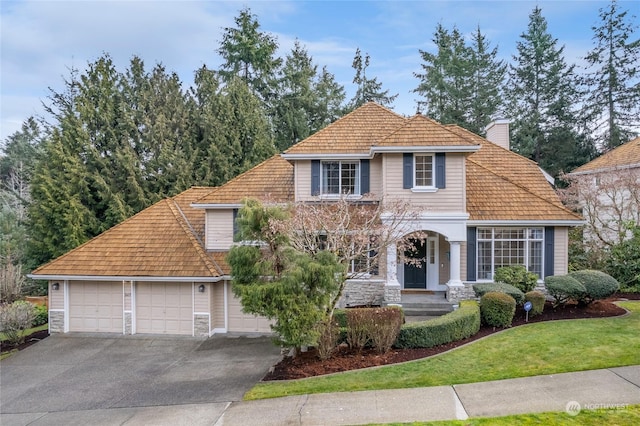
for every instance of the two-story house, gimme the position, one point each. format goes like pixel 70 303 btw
pixel 481 207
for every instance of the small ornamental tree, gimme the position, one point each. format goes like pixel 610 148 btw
pixel 294 260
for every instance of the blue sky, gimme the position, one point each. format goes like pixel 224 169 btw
pixel 42 40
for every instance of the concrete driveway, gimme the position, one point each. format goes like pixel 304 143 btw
pixel 88 379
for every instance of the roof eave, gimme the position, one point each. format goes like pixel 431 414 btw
pixel 320 156
pixel 222 206
pixel 543 222
pixel 424 148
pixel 66 277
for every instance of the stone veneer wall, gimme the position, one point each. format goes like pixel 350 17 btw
pixel 56 322
pixel 458 293
pixel 362 293
pixel 201 325
pixel 127 323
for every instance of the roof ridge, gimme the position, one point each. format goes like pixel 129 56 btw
pixel 191 234
pixel 490 170
pixel 431 120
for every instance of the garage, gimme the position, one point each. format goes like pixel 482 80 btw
pixel 245 323
pixel 164 308
pixel 95 306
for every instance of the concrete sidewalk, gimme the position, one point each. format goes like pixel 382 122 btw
pixel 609 389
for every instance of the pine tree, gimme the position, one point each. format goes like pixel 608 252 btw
pixel 613 83
pixel 367 89
pixel 542 96
pixel 329 99
pixel 249 54
pixel 488 74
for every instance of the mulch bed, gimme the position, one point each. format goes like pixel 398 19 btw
pixel 30 340
pixel 307 364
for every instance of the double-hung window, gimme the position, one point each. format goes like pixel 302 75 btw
pixel 340 177
pixel 499 247
pixel 423 167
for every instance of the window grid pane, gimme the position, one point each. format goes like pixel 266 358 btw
pixel 331 177
pixel 424 170
pixel 499 247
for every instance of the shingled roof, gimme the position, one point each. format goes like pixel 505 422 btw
pixel 627 155
pixel 422 131
pixel 160 241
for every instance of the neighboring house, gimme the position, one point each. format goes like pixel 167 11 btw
pixel 607 192
pixel 482 207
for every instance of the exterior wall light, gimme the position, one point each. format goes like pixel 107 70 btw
pixel 56 286
pixel 201 288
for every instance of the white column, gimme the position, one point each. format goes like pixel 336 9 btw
pixel 454 264
pixel 392 265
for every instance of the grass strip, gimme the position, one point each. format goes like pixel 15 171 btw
pixel 537 349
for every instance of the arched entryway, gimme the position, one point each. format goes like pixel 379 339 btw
pixel 425 263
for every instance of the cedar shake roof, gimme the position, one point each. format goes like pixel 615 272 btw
pixel 272 179
pixel 422 131
pixel 156 242
pixel 502 185
pixel 354 133
pixel 623 156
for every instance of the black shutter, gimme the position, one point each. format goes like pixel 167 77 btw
pixel 407 170
pixel 364 177
pixel 315 177
pixel 440 170
pixel 471 254
pixel 549 248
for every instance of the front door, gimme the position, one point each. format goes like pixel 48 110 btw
pixel 415 273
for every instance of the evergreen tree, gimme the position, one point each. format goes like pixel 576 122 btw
pixel 367 89
pixel 249 54
pixel 488 74
pixel 542 94
pixel 329 100
pixel 447 79
pixel 613 83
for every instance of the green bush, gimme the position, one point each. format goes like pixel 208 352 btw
pixel 457 325
pixel 597 284
pixel 497 309
pixel 537 300
pixel 484 288
pixel 564 288
pixel 517 276
pixel 340 317
pixel 15 319
pixel 378 327
pixel 42 316
pixel 623 262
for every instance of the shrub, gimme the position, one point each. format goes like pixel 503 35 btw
pixel 328 334
pixel 497 309
pixel 484 288
pixel 457 325
pixel 517 276
pixel 598 285
pixel 15 319
pixel 41 316
pixel 378 327
pixel 623 262
pixel 563 288
pixel 537 300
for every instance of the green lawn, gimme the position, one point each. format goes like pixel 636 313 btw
pixel 629 415
pixel 536 349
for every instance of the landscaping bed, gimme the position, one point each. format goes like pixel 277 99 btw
pixel 28 341
pixel 307 364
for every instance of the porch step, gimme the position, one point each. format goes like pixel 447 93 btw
pixel 426 309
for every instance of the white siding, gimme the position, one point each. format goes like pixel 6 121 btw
pixel 219 229
pixel 217 305
pixel 375 173
pixel 56 297
pixel 303 180
pixel 201 300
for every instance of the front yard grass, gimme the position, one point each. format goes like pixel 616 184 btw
pixel 543 348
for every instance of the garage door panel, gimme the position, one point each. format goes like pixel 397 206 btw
pixel 95 306
pixel 247 323
pixel 164 308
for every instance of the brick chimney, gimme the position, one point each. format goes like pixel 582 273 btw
pixel 498 132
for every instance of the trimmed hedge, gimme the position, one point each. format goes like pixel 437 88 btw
pixel 537 299
pixel 517 276
pixel 484 288
pixel 564 288
pixel 597 285
pixel 457 325
pixel 497 309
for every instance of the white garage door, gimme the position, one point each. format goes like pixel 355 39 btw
pixel 95 306
pixel 164 308
pixel 245 323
